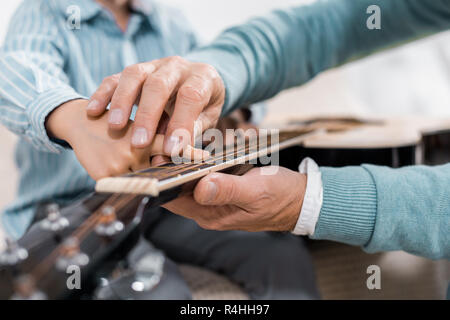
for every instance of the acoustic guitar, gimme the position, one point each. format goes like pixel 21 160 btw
pixel 92 236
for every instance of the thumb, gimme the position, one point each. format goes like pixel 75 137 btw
pixel 222 189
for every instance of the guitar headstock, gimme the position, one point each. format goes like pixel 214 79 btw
pixel 74 240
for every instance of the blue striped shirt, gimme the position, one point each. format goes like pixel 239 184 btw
pixel 46 61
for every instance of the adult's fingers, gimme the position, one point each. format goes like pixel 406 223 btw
pixel 156 92
pixel 224 189
pixel 129 88
pixel 192 97
pixel 187 207
pixel 207 217
pixel 102 96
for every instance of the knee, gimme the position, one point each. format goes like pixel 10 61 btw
pixel 281 268
pixel 172 285
pixel 282 249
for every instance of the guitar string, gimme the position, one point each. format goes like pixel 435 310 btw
pixel 191 166
pixel 181 168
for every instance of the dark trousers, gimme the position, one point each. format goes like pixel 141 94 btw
pixel 265 265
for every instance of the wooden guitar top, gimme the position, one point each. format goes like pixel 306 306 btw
pixel 353 132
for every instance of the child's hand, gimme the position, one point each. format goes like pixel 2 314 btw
pixel 101 151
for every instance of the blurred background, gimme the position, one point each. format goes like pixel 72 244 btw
pixel 413 79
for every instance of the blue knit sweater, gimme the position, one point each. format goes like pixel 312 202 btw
pixel 377 208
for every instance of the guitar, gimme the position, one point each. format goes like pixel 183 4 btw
pixel 93 235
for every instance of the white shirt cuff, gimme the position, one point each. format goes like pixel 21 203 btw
pixel 312 202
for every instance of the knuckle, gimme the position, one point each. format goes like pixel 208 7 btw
pixel 176 124
pixel 158 83
pixel 135 70
pixel 143 118
pixel 208 70
pixel 191 94
pixel 115 77
pixel 177 60
pixel 119 100
pixel 109 81
pixel 230 192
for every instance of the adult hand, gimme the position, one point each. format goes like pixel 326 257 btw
pixel 252 202
pixel 186 91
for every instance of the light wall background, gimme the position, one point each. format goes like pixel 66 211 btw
pixel 412 79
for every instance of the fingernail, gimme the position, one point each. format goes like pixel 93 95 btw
pixel 211 191
pixel 172 144
pixel 92 105
pixel 140 137
pixel 116 116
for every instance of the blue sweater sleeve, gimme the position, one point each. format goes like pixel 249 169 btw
pixel 374 207
pixel 384 209
pixel 289 47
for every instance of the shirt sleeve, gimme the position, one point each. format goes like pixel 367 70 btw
pixel 32 78
pixel 383 209
pixel 312 201
pixel 288 47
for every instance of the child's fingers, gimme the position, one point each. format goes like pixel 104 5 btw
pixel 159 160
pixel 142 156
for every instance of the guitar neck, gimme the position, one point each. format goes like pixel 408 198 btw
pixel 155 180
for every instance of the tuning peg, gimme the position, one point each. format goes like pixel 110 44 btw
pixel 108 225
pixel 149 271
pixel 54 220
pixel 71 255
pixel 25 289
pixel 136 280
pixel 13 254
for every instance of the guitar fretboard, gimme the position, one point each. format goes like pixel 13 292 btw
pixel 153 180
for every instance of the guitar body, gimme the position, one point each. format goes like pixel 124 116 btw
pixel 352 141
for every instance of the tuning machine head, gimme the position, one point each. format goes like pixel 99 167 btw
pixel 13 254
pixel 25 289
pixel 70 254
pixel 136 280
pixel 54 221
pixel 108 225
pixel 148 271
